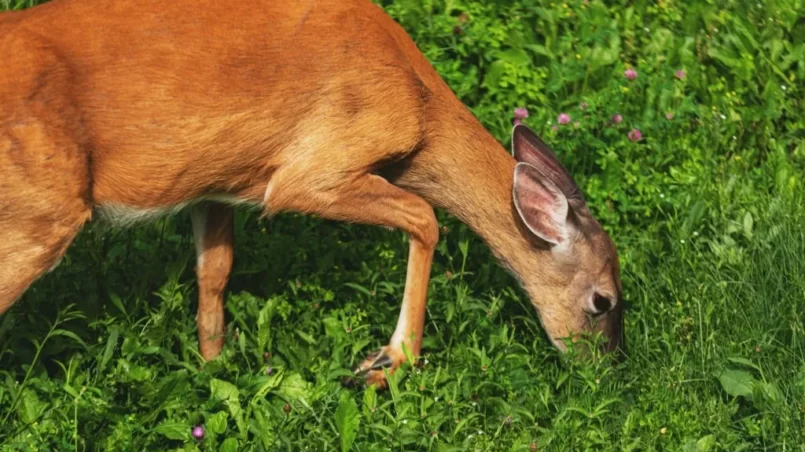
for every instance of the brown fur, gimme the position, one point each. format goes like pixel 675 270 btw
pixel 293 106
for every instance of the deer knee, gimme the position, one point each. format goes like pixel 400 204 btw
pixel 427 228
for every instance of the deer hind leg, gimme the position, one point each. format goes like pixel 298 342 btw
pixel 30 247
pixel 43 188
pixel 370 199
pixel 213 236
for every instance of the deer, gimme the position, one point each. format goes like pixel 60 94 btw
pixel 127 111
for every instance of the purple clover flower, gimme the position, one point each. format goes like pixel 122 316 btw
pixel 520 113
pixel 630 74
pixel 198 432
pixel 617 118
pixel 680 74
pixel 563 118
pixel 635 135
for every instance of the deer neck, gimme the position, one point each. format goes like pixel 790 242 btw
pixel 476 187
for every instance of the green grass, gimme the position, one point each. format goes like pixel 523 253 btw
pixel 707 212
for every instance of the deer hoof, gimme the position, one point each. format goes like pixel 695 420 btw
pixel 371 369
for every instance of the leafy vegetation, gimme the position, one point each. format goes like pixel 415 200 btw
pixel 706 208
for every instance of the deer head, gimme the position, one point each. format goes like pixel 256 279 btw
pixel 571 272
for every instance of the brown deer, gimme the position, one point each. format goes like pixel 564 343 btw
pixel 126 110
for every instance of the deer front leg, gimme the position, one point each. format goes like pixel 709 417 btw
pixel 370 199
pixel 411 321
pixel 213 237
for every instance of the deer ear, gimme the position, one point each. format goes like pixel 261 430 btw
pixel 541 204
pixel 529 148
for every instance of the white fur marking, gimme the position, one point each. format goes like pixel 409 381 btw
pixel 199 219
pixel 121 215
pixel 269 189
pixel 55 264
pixel 398 337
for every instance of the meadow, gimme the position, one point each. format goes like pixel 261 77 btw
pixel 683 123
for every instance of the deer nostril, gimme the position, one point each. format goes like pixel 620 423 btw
pixel 601 303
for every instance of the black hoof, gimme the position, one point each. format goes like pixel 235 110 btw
pixel 382 361
pixel 377 361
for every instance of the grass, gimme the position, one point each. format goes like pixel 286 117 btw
pixel 707 213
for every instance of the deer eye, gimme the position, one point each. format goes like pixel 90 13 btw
pixel 601 303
